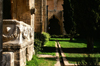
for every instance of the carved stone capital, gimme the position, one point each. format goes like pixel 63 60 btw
pixel 16 30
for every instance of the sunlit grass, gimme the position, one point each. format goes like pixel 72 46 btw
pixel 50 44
pixel 59 38
pixel 72 44
pixel 46 61
pixel 76 57
pixel 79 43
pixel 49 48
pixel 41 61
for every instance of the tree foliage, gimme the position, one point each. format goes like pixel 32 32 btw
pixel 69 23
pixel 84 16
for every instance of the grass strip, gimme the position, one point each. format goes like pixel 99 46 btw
pixel 41 61
pixel 77 57
pixel 75 50
pixel 49 48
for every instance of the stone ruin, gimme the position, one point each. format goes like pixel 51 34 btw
pixel 20 19
pixel 17 32
pixel 17 43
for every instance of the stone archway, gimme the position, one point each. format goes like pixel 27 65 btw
pixel 54 26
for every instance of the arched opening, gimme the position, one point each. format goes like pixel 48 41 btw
pixel 6 9
pixel 53 26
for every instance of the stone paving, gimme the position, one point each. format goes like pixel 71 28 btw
pixel 64 59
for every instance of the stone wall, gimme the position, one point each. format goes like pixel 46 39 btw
pixel 55 4
pixel 58 15
pixel 59 5
pixel 50 4
pixel 44 16
pixel 55 8
pixel 18 32
pixel 38 16
pixel 21 10
pixel 1 13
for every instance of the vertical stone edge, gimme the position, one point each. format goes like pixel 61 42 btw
pixel 29 52
pixel 1 19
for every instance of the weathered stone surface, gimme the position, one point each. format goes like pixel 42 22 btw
pixel 55 8
pixel 19 39
pixel 55 4
pixel 16 31
pixel 8 59
pixel 29 53
pixel 21 51
pixel 21 10
pixel 38 16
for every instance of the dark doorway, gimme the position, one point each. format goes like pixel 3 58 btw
pixel 54 27
pixel 6 9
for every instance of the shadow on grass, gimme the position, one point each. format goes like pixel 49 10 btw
pixel 78 59
pixel 70 50
pixel 74 50
pixel 49 49
pixel 74 41
pixel 80 50
pixel 53 59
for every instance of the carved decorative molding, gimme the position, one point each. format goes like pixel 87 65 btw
pixel 16 30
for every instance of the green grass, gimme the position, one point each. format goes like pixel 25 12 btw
pixel 68 44
pixel 76 57
pixel 72 57
pixel 59 39
pixel 47 61
pixel 50 44
pixel 77 43
pixel 73 54
pixel 49 48
pixel 41 61
pixel 72 45
pixel 33 62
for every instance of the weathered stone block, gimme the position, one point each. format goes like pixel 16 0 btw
pixel 16 31
pixel 20 57
pixel 19 44
pixel 29 52
pixel 8 59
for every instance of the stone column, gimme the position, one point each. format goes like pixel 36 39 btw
pixel 46 22
pixel 44 16
pixel 1 18
pixel 38 16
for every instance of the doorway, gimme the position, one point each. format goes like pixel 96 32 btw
pixel 54 27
